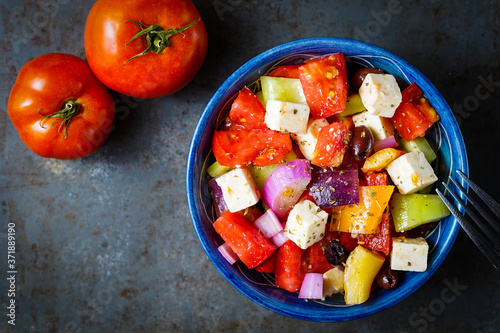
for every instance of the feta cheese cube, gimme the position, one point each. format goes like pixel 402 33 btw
pixel 333 281
pixel 381 127
pixel 409 254
pixel 238 189
pixel 380 94
pixel 306 224
pixel 286 117
pixel 411 172
pixel 307 140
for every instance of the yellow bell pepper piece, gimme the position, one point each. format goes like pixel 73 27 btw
pixel 365 216
pixel 381 159
pixel 361 268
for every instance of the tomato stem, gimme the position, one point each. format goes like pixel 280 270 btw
pixel 69 109
pixel 157 38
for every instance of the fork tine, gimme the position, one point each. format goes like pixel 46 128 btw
pixel 495 206
pixel 474 235
pixel 475 218
pixel 480 209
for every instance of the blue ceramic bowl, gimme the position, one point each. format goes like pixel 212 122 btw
pixel 260 287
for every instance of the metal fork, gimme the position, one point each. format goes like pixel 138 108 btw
pixel 486 236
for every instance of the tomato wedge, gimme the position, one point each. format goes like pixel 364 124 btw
pixel 289 272
pixel 292 263
pixel 332 144
pixel 247 112
pixel 348 241
pixel 324 81
pixel 244 238
pixel 290 71
pixel 376 178
pixel 411 93
pixel 414 115
pixel 315 259
pixel 259 147
pixel 268 265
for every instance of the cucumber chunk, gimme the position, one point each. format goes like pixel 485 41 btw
pixel 282 89
pixel 411 210
pixel 419 144
pixel 353 105
pixel 261 98
pixel 215 170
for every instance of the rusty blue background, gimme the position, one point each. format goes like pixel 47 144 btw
pixel 105 243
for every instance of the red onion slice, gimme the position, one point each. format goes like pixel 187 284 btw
pixel 228 253
pixel 285 185
pixel 268 224
pixel 312 286
pixel 279 239
pixel 389 142
pixel 217 197
pixel 332 187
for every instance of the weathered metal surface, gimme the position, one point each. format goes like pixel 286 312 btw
pixel 105 243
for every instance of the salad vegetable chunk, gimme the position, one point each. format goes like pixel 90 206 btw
pixel 322 180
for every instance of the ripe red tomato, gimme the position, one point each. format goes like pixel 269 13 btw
pixel 176 53
pixel 244 238
pixel 348 241
pixel 247 112
pixel 415 115
pixel 324 81
pixel 268 265
pixel 332 144
pixel 59 108
pixel 259 147
pixel 376 178
pixel 290 71
pixel 289 271
pixel 314 256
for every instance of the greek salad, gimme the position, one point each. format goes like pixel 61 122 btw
pixel 323 179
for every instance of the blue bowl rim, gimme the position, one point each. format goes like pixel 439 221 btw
pixel 304 45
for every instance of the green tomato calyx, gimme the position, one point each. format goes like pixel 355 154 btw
pixel 69 109
pixel 157 38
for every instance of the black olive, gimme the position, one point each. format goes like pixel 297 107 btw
pixel 335 253
pixel 386 277
pixel 362 142
pixel 359 76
